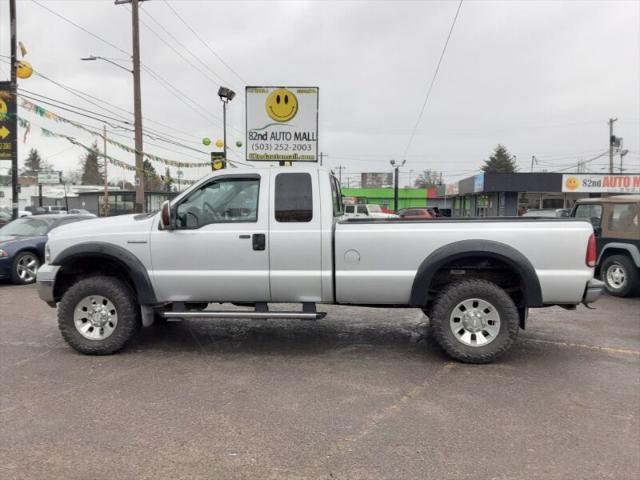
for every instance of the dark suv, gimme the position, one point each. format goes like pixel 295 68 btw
pixel 616 223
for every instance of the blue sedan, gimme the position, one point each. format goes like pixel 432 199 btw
pixel 22 245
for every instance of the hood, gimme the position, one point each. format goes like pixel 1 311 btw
pixel 97 228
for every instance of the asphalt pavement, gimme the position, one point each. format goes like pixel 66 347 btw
pixel 362 394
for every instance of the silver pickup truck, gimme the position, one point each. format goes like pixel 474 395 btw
pixel 277 235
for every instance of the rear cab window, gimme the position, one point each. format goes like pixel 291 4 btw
pixel 293 197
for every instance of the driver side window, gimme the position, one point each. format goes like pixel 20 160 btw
pixel 221 201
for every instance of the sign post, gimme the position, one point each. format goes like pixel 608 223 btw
pixel 282 124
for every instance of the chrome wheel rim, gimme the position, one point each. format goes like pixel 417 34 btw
pixel 616 276
pixel 27 268
pixel 475 322
pixel 95 317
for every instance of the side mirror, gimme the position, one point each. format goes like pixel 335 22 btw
pixel 165 216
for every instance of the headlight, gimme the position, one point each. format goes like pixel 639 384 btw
pixel 3 254
pixel 47 254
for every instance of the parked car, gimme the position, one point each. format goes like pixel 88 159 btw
pixel 22 244
pixel 415 214
pixel 616 222
pixel 5 217
pixel 81 211
pixel 252 236
pixel 366 210
pixel 547 212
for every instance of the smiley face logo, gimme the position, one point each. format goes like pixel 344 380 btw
pixel 3 109
pixel 281 105
pixel 572 183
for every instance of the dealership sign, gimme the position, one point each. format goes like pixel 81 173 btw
pixel 51 178
pixel 595 183
pixel 282 124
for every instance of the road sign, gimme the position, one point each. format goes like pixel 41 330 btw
pixel 51 177
pixel 218 162
pixel 7 106
pixel 282 124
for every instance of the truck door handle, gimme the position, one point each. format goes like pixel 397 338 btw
pixel 259 241
pixel 245 236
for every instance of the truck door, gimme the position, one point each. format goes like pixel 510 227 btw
pixel 219 249
pixel 295 237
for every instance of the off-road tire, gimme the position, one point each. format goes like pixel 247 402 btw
pixel 457 292
pixel 15 277
pixel 122 297
pixel 632 283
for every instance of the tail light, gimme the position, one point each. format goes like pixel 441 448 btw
pixel 591 252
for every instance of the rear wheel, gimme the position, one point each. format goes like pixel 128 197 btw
pixel 98 315
pixel 620 275
pixel 25 268
pixel 474 321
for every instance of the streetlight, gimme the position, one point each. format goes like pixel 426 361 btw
pixel 622 154
pixel 226 95
pixel 396 166
pixel 137 122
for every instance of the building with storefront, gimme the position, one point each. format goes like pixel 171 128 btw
pixel 508 194
pixel 502 194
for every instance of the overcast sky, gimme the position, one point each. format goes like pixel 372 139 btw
pixel 542 78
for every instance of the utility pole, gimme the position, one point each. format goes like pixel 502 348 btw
pixel 105 206
pixel 340 168
pixel 13 115
pixel 396 167
pixel 322 155
pixel 137 102
pixel 611 141
pixel 533 160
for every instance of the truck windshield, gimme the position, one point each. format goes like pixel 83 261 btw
pixel 375 209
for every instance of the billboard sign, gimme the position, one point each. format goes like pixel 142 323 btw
pixel 7 107
pixel 451 189
pixel 376 180
pixel 282 124
pixel 51 177
pixel 599 183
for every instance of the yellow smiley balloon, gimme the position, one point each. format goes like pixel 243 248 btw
pixel 24 69
pixel 281 105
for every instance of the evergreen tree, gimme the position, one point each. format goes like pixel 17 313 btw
pixel 152 182
pixel 167 180
pixel 33 163
pixel 91 167
pixel 500 162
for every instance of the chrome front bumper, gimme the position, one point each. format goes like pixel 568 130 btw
pixel 45 283
pixel 593 291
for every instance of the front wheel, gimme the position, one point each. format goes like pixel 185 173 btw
pixel 98 315
pixel 25 268
pixel 474 321
pixel 620 275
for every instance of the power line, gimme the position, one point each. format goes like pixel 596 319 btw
pixel 433 81
pixel 181 44
pixel 106 42
pixel 204 43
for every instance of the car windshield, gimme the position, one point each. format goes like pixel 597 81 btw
pixel 26 227
pixel 375 208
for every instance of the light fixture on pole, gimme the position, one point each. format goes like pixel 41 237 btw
pixel 622 154
pixel 226 95
pixel 396 167
pixel 137 121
